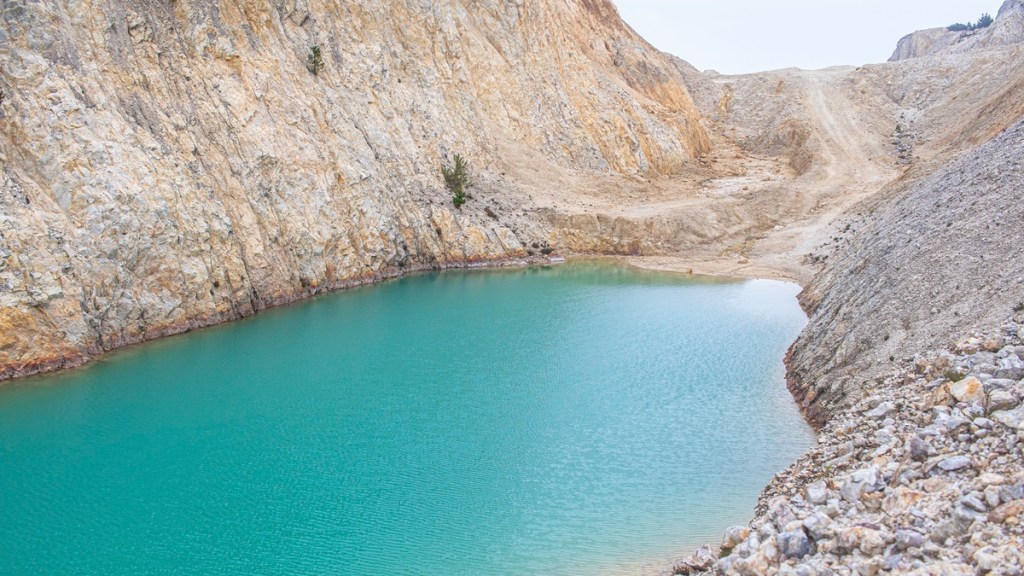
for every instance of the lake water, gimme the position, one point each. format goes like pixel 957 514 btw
pixel 587 419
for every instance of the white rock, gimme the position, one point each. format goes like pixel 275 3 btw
pixel 969 390
pixel 817 493
pixel 955 463
pixel 1000 400
pixel 882 410
pixel 1012 418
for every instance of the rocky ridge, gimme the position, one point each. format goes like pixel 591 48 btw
pixel 918 465
pixel 1007 29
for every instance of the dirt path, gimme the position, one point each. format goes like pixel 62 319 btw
pixel 851 163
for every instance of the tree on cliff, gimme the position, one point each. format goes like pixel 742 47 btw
pixel 456 179
pixel 984 22
pixel 315 60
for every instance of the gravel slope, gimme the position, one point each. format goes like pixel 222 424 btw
pixel 938 261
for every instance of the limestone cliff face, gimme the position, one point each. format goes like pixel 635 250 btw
pixel 171 164
pixel 1007 29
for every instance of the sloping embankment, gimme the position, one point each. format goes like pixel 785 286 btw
pixel 938 262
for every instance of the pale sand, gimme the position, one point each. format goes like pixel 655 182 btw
pixel 724 267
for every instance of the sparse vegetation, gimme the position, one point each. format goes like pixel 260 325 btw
pixel 456 179
pixel 315 60
pixel 1019 307
pixel 984 22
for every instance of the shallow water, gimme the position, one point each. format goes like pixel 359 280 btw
pixel 584 419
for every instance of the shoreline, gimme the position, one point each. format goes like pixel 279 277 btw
pixel 717 268
pixel 786 484
pixel 81 358
pixel 720 268
pixel 923 472
pixel 726 270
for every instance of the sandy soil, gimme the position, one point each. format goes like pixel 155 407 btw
pixel 749 213
pixel 740 269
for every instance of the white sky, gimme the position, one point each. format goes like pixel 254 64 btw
pixel 738 36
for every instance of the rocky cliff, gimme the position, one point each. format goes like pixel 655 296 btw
pixel 1007 29
pixel 166 165
pixel 172 165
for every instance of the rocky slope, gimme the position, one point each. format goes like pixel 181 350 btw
pixel 167 165
pixel 813 145
pixel 939 260
pixel 1007 29
pixel 924 476
pixel 918 464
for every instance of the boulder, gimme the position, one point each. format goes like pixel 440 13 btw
pixel 969 390
pixel 1000 400
pixel 794 544
pixel 955 463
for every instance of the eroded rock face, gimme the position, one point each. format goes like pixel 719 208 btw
pixel 174 164
pixel 1007 29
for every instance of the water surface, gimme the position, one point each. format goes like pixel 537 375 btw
pixel 585 419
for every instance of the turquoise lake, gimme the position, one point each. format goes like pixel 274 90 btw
pixel 586 419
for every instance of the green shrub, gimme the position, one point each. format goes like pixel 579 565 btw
pixel 315 60
pixel 984 22
pixel 456 179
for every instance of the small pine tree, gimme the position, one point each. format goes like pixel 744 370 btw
pixel 984 22
pixel 315 60
pixel 456 179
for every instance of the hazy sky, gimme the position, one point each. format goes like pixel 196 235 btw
pixel 736 36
